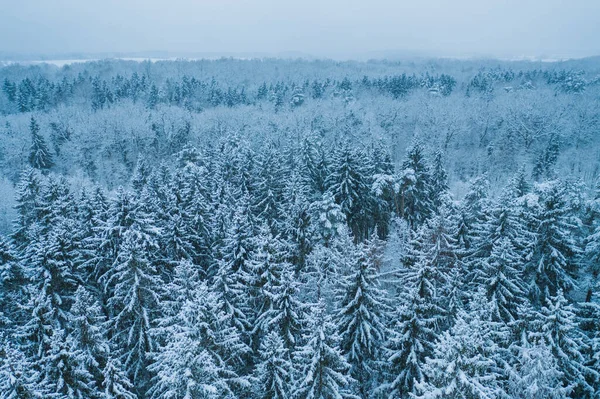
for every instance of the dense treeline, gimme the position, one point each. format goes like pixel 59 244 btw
pixel 314 270
pixel 300 229
pixel 42 94
pixel 97 118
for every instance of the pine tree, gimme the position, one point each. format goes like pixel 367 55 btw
pixel 421 312
pixel 313 166
pixel 136 287
pixel 328 221
pixel 592 246
pixel 274 371
pixel 195 358
pixel 267 265
pixel 554 264
pixel 415 194
pixel 104 246
pixel 39 154
pixel 64 374
pixel 88 332
pixel 439 183
pixel 349 185
pixel 558 329
pixel 27 199
pixel 297 222
pixel 410 342
pixel 287 314
pixel 116 384
pixel 383 193
pixel 13 283
pixel 360 320
pixel 501 276
pixel 321 366
pixel 18 378
pixel 268 196
pixel 536 374
pixel 326 264
pixel 459 367
pixel 35 336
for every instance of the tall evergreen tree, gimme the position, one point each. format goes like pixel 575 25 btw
pixel 274 372
pixel 361 320
pixel 536 374
pixel 459 367
pixel 136 288
pixel 554 264
pixel 439 183
pixel 415 194
pixel 322 369
pixel 348 182
pixel 195 358
pixel 115 383
pixel 40 156
pixel 557 328
pixel 19 379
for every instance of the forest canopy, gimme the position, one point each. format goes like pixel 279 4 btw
pixel 271 228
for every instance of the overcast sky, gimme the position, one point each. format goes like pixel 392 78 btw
pixel 334 28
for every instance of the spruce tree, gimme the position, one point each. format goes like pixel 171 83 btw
pixel 115 383
pixel 361 318
pixel 39 154
pixel 136 288
pixel 19 379
pixel 557 328
pixel 88 332
pixel 554 264
pixel 536 374
pixel 415 195
pixel 459 366
pixel 13 284
pixel 348 183
pixel 274 372
pixel 195 359
pixel 64 372
pixel 321 367
pixel 501 277
pixel 439 183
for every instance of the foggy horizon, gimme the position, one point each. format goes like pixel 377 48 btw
pixel 339 30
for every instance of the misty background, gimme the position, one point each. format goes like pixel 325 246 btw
pixel 551 29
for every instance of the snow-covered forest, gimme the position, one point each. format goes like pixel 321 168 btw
pixel 271 228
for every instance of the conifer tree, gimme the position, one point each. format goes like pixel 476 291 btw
pixel 18 378
pixel 115 383
pixel 361 318
pixel 267 265
pixel 64 374
pixel 195 359
pixel 274 372
pixel 557 328
pixel 459 366
pixel 39 154
pixel 88 332
pixel 439 183
pixel 322 369
pixel 13 283
pixel 554 264
pixel 349 185
pixel 136 287
pixel 415 195
pixel 501 276
pixel 27 199
pixel 411 340
pixel 536 374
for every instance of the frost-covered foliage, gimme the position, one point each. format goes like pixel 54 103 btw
pixel 294 229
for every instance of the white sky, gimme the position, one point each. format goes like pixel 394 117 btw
pixel 334 28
